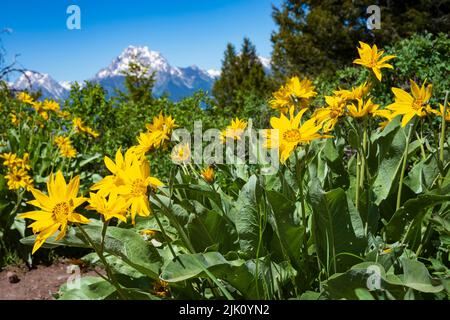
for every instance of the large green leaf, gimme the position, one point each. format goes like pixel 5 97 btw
pixel 409 211
pixel 246 215
pixel 390 153
pixel 336 232
pixel 88 288
pixel 289 232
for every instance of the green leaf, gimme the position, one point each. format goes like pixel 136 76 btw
pixel 390 153
pixel 246 215
pixel 416 276
pixel 333 231
pixel 90 288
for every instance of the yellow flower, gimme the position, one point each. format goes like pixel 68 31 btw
pixel 441 112
pixel 363 109
pixel 136 180
pixel 208 174
pixel 301 89
pixel 56 208
pixel 130 180
pixel 291 133
pixel 282 100
pixel 65 147
pixel 354 94
pixel 384 113
pixel 181 153
pixel 18 178
pixel 372 59
pixel 409 106
pixel 147 234
pixel 295 93
pixel 109 183
pixel 79 126
pixel 146 142
pixel 14 120
pixel 50 105
pixel 161 288
pixel 113 207
pixel 161 129
pixel 10 160
pixel 25 98
pixel 234 131
pixel 329 116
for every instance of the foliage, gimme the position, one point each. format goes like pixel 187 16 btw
pixel 326 32
pixel 241 75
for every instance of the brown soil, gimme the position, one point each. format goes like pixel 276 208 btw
pixel 40 283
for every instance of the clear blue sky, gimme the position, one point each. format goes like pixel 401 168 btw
pixel 186 32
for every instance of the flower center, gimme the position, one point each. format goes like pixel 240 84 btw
pixel 138 187
pixel 292 136
pixel 60 212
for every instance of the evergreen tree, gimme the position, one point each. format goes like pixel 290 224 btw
pixel 320 36
pixel 138 82
pixel 242 75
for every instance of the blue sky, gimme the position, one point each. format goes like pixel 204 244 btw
pixel 186 32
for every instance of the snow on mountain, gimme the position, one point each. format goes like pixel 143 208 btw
pixel 34 81
pixel 66 84
pixel 174 81
pixel 266 64
pixel 214 73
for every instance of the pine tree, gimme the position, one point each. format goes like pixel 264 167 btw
pixel 320 36
pixel 242 74
pixel 138 82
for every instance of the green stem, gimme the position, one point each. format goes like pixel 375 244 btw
pixel 109 272
pixel 299 172
pixel 442 137
pixel 358 173
pixel 402 172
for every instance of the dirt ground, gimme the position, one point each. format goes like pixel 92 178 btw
pixel 40 283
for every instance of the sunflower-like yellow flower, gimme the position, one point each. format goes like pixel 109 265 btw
pixel 14 119
pixel 161 129
pixel 113 207
pixel 17 178
pixel 329 116
pixel 301 89
pixel 441 113
pixel 208 174
pixel 411 105
pixel 50 105
pixel 281 100
pixel 130 180
pixel 355 93
pixel 181 153
pixel 234 131
pixel 25 98
pixel 79 126
pixel 56 208
pixel 371 58
pixel 10 160
pixel 296 92
pixel 363 109
pixel 65 147
pixel 136 180
pixel 109 183
pixel 290 133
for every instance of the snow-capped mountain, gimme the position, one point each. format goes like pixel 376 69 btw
pixel 35 81
pixel 174 81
